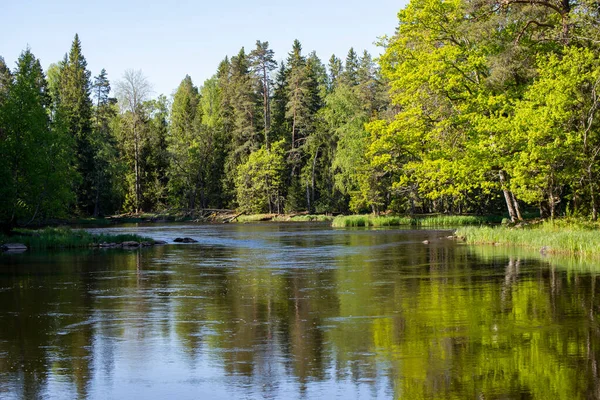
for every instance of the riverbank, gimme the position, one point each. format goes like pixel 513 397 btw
pixel 550 237
pixel 348 221
pixel 66 238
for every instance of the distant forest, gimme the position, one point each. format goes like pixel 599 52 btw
pixel 475 106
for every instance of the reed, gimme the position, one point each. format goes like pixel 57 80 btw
pixel 347 221
pixel 548 237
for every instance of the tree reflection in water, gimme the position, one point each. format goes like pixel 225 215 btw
pixel 321 313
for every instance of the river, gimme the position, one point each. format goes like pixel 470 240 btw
pixel 288 311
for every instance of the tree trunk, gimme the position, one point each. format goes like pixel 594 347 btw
pixel 314 166
pixel 516 205
pixel 507 197
pixel 136 167
pixel 593 195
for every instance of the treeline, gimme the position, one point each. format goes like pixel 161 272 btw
pixel 476 106
pixel 256 136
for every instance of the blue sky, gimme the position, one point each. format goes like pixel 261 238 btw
pixel 169 39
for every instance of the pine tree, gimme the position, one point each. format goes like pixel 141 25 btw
pixel 335 71
pixel 76 106
pixel 36 151
pixel 350 75
pixel 263 63
pixel 104 145
pixel 184 150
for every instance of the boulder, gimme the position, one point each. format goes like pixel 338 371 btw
pixel 107 245
pixel 130 244
pixel 156 242
pixel 14 247
pixel 185 240
pixel 426 242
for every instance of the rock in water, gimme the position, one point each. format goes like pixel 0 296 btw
pixel 185 240
pixel 14 247
pixel 130 244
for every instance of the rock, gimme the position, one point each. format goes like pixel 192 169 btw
pixel 451 237
pixel 426 242
pixel 13 247
pixel 107 245
pixel 147 244
pixel 130 244
pixel 157 242
pixel 185 240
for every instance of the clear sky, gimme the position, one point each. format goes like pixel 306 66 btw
pixel 169 39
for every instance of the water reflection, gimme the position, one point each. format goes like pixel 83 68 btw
pixel 288 311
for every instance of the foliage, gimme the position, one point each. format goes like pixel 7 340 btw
pixel 36 150
pixel 259 181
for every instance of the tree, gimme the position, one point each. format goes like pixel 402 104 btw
pixel 186 179
pixel 259 180
pixel 76 106
pixel 106 163
pixel 263 62
pixel 36 151
pixel 336 69
pixel 132 91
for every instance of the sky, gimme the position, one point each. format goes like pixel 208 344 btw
pixel 169 39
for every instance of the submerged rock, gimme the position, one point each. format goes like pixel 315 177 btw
pixel 130 244
pixel 185 240
pixel 156 242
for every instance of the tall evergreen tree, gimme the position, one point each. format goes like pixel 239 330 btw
pixel 36 151
pixel 186 185
pixel 336 68
pixel 350 75
pixel 76 106
pixel 263 63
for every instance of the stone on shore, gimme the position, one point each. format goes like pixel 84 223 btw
pixel 185 240
pixel 13 247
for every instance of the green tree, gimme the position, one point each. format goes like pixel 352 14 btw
pixel 259 180
pixel 263 63
pixel 186 180
pixel 36 151
pixel 76 106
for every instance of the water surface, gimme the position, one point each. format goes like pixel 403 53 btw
pixel 296 311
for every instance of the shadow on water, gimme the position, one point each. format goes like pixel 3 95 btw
pixel 290 311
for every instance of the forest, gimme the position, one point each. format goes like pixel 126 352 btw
pixel 474 107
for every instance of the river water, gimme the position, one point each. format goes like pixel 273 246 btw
pixel 288 311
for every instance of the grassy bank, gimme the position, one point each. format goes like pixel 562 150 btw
pixel 284 218
pixel 560 237
pixel 347 221
pixel 65 238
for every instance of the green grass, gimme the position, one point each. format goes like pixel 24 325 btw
pixel 559 236
pixel 283 218
pixel 304 218
pixel 56 238
pixel 254 217
pixel 347 221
